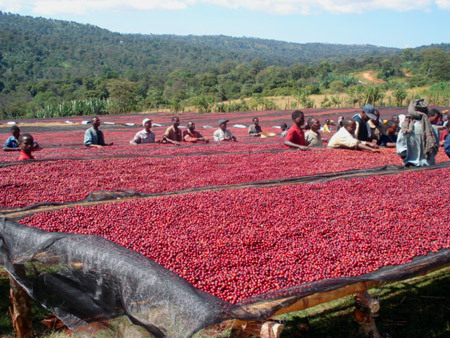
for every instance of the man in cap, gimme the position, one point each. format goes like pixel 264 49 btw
pixel 375 127
pixel 146 135
pixel 361 119
pixel 191 135
pixel 223 134
pixel 173 133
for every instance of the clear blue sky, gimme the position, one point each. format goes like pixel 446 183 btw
pixel 391 23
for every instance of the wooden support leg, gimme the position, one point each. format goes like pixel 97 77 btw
pixel 365 314
pixel 21 310
pixel 267 329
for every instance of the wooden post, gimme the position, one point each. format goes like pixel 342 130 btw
pixel 267 329
pixel 365 313
pixel 21 310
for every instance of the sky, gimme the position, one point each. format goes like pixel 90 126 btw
pixel 389 23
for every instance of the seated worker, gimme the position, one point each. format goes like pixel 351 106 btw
pixel 26 146
pixel 344 138
pixel 173 133
pixel 146 135
pixel 444 134
pixel 327 126
pixel 312 136
pixel 375 127
pixel 284 129
pixel 361 120
pixel 417 140
pixel 295 138
pixel 435 117
pixel 340 122
pixel 191 135
pixel 389 138
pixel 94 137
pixel 447 141
pixel 223 134
pixel 12 143
pixel 255 129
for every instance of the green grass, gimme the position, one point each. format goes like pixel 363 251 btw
pixel 418 307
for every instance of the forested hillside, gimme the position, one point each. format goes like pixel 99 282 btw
pixel 48 63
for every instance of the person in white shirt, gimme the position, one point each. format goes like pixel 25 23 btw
pixel 345 138
pixel 146 135
pixel 223 134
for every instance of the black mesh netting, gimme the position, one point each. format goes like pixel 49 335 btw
pixel 89 281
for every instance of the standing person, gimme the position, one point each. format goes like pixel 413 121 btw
pixel 191 135
pixel 26 146
pixel 312 136
pixel 223 134
pixel 418 140
pixel 173 133
pixel 93 137
pixel 361 119
pixel 295 138
pixel 146 135
pixel 12 143
pixel 284 129
pixel 255 129
pixel 345 138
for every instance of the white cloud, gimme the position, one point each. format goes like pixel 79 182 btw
pixel 49 7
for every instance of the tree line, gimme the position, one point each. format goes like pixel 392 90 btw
pixel 55 68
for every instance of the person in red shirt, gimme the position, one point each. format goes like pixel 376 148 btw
pixel 295 137
pixel 191 135
pixel 26 145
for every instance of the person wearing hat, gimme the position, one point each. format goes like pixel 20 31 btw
pixel 223 134
pixel 418 140
pixel 375 127
pixel 146 135
pixel 361 120
pixel 193 136
pixel 173 133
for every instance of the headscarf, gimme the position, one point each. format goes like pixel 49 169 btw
pixel 417 110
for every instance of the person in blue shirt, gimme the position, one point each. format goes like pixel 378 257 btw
pixel 447 141
pixel 389 138
pixel 94 137
pixel 12 143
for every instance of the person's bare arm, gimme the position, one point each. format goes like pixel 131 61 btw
pixel 368 146
pixel 295 145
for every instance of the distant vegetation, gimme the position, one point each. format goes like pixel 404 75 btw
pixel 55 68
